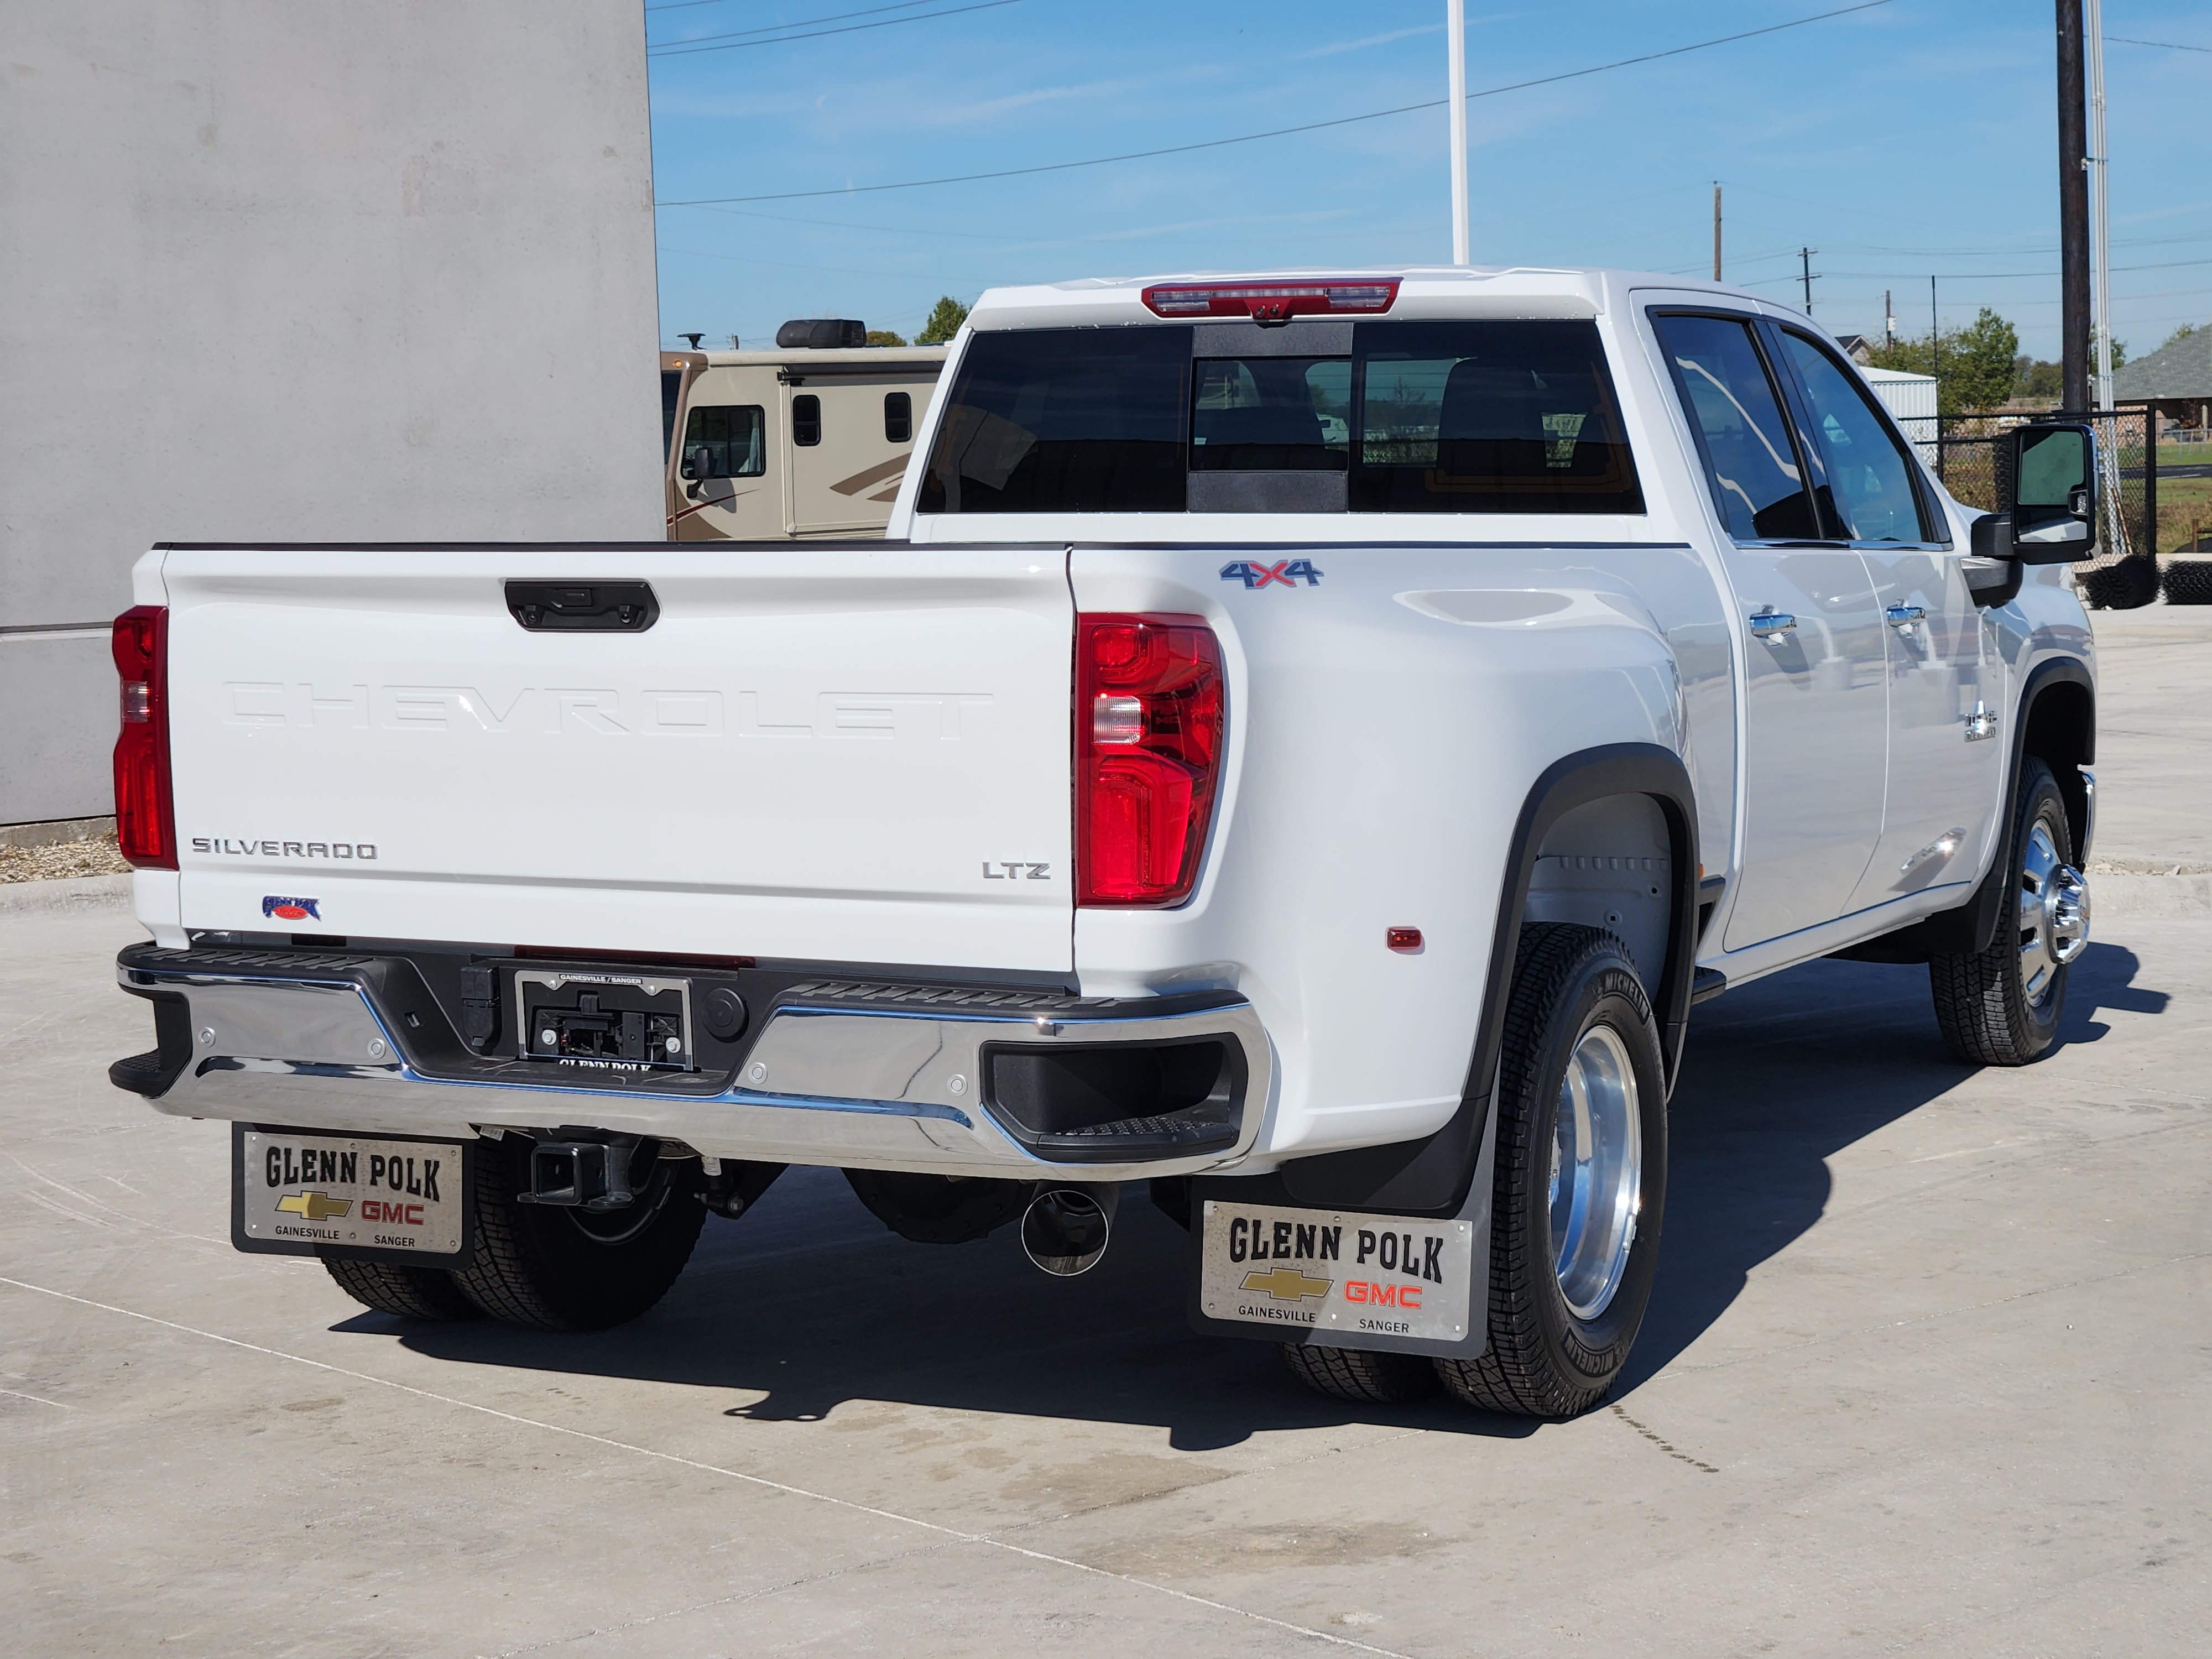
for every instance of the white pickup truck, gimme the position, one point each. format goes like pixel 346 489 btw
pixel 1305 746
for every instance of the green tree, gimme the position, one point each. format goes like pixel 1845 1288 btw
pixel 884 337
pixel 944 322
pixel 2179 335
pixel 2036 377
pixel 1974 367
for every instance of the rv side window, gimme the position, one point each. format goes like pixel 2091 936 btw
pixel 724 441
pixel 898 417
pixel 806 420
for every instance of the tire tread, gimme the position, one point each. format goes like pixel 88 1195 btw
pixel 1510 1376
pixel 1360 1375
pixel 1979 1006
pixel 405 1292
pixel 510 1281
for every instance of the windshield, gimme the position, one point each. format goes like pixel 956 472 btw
pixel 1472 417
pixel 672 391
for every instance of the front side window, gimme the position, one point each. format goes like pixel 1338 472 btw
pixel 1270 414
pixel 1492 417
pixel 1064 419
pixel 1750 459
pixel 1867 471
pixel 725 441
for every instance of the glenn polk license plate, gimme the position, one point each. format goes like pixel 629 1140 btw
pixel 298 1191
pixel 1380 1275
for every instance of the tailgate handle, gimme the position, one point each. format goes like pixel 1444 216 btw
pixel 608 607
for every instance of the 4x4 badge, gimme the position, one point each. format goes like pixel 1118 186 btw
pixel 1289 572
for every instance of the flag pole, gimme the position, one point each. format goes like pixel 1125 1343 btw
pixel 1455 37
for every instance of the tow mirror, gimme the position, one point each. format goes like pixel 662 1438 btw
pixel 700 463
pixel 2053 510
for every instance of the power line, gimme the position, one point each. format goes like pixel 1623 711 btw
pixel 1976 275
pixel 654 47
pixel 1276 132
pixel 2169 45
pixel 673 50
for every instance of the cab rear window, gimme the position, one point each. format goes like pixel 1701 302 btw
pixel 1472 417
pixel 1488 417
pixel 1064 419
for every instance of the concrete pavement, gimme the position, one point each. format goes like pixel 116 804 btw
pixel 1928 1372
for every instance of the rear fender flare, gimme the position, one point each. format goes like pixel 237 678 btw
pixel 1430 1175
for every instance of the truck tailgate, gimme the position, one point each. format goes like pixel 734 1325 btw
pixel 828 754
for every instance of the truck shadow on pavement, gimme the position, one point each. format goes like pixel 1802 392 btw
pixel 1779 1075
pixel 808 1303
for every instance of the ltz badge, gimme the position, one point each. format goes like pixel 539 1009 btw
pixel 1381 1275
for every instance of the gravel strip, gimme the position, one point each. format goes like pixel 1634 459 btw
pixel 62 861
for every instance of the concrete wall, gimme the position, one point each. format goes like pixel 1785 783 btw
pixel 299 271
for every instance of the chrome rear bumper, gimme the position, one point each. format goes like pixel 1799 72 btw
pixel 842 1073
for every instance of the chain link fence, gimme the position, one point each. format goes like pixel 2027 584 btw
pixel 1968 454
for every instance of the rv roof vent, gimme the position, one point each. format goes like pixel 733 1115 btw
pixel 820 334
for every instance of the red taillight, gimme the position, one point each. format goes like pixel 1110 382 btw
pixel 1274 302
pixel 145 822
pixel 1148 753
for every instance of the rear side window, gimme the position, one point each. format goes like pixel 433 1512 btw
pixel 1066 420
pixel 724 441
pixel 1751 462
pixel 806 420
pixel 898 417
pixel 1502 417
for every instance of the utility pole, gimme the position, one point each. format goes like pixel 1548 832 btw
pixel 1888 320
pixel 1805 264
pixel 1717 230
pixel 2100 246
pixel 1455 38
pixel 1934 341
pixel 2073 214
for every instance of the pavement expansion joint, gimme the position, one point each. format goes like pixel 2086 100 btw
pixel 1663 1445
pixel 951 1533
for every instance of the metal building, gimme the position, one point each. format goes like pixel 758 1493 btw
pixel 278 272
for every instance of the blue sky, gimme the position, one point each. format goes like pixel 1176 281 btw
pixel 1914 138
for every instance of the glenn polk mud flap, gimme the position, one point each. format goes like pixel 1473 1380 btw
pixel 1263 1265
pixel 385 1197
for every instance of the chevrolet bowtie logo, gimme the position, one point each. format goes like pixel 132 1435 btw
pixel 1286 1284
pixel 313 1206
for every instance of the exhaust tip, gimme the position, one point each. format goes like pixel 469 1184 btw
pixel 1066 1230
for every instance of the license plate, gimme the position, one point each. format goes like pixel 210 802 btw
pixel 601 1021
pixel 1377 1275
pixel 300 1191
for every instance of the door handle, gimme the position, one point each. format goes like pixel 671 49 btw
pixel 1902 617
pixel 1773 625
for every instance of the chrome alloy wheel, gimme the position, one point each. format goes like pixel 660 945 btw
pixel 2054 912
pixel 1597 1171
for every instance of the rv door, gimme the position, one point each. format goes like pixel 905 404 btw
pixel 848 436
